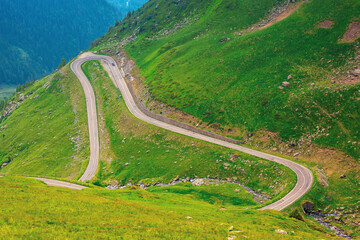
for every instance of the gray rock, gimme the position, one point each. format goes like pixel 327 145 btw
pixel 198 182
pixel 224 40
pixel 286 84
pixel 226 165
pixel 356 72
pixel 280 231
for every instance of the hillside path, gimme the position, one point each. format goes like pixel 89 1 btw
pixel 304 175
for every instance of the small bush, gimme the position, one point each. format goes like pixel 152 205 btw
pixel 297 214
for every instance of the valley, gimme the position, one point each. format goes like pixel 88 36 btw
pixel 36 36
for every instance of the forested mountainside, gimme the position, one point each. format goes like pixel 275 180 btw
pixel 36 35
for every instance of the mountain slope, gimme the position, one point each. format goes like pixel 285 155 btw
pixel 44 131
pixel 192 50
pixel 35 35
pixel 139 153
pixel 290 89
pixel 211 65
pixel 138 214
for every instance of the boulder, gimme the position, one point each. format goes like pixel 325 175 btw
pixel 280 231
pixel 308 206
pixel 226 165
pixel 224 40
pixel 286 84
pixel 357 72
pixel 198 182
pixel 21 97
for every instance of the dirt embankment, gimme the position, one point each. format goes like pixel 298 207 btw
pixel 275 15
pixel 281 14
pixel 326 24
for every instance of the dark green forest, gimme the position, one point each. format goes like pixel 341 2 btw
pixel 36 35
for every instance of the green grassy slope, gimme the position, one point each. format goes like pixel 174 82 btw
pixel 46 134
pixel 236 82
pixel 134 151
pixel 42 212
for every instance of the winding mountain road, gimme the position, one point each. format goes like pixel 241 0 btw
pixel 92 120
pixel 304 175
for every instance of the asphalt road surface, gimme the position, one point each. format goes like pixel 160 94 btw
pixel 92 120
pixel 304 175
pixel 56 183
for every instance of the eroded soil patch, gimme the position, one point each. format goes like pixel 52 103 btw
pixel 282 15
pixel 352 33
pixel 326 24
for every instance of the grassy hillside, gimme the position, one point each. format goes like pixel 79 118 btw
pixel 46 132
pixel 208 59
pixel 137 152
pixel 42 212
pixel 196 57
